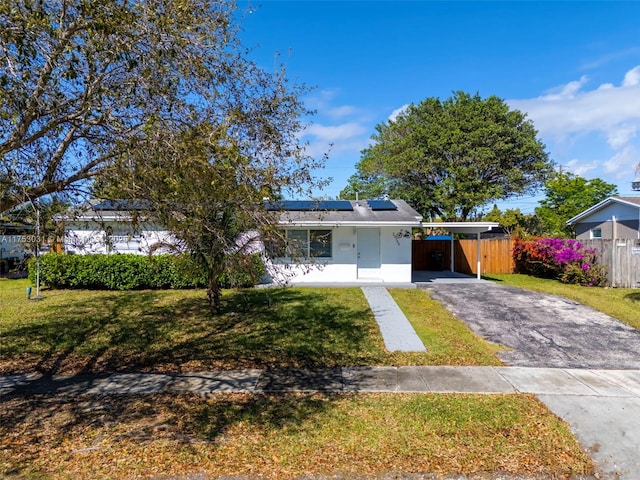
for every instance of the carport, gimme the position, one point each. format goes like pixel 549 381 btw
pixel 463 228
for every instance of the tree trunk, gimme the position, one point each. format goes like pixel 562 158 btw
pixel 214 293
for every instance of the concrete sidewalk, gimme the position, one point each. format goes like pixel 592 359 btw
pixel 602 407
pixel 431 379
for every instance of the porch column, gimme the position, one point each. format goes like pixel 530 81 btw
pixel 452 250
pixel 479 257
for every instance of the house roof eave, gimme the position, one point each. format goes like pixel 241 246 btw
pixel 599 206
pixel 462 227
pixel 347 223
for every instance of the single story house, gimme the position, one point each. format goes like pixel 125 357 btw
pixel 612 218
pixel 113 227
pixel 337 241
pixel 345 241
pixel 352 241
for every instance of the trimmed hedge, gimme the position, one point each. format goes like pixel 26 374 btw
pixel 132 272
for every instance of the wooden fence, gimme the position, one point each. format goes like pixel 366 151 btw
pixel 622 258
pixel 496 255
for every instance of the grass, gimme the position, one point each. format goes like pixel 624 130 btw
pixel 259 436
pixel 443 333
pixel 80 331
pixel 282 437
pixel 620 303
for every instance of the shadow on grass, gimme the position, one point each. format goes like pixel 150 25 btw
pixel 633 297
pixel 490 278
pixel 40 423
pixel 138 331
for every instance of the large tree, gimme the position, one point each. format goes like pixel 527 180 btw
pixel 451 158
pixel 566 195
pixel 154 101
pixel 208 188
pixel 84 82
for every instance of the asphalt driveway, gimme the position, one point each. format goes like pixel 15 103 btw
pixel 541 330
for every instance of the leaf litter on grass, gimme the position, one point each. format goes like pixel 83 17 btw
pixel 283 436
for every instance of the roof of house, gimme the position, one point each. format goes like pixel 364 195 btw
pixel 120 205
pixel 629 201
pixel 345 212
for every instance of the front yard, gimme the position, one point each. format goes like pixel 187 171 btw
pixel 82 331
pixel 255 436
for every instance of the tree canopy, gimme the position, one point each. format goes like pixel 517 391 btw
pixel 154 101
pixel 82 83
pixel 450 158
pixel 566 195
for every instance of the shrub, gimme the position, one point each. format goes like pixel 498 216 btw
pixel 246 271
pixel 130 272
pixel 563 259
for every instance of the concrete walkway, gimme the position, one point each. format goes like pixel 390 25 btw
pixel 397 332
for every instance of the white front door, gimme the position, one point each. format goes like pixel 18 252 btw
pixel 368 253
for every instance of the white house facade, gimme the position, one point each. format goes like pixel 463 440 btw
pixel 325 242
pixel 114 227
pixel 345 241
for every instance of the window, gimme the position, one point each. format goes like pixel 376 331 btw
pixel 297 243
pixel 309 243
pixel 596 233
pixel 320 243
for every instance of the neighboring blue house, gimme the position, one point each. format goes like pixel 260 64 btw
pixel 612 218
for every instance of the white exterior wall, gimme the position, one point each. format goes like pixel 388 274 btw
pixel 342 267
pixel 87 238
pixel 395 254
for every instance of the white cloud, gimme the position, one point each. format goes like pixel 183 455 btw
pixel 567 91
pixel 573 110
pixel 621 136
pixel 622 164
pixel 632 77
pixel 332 133
pixel 398 111
pixel 581 168
pixel 322 102
pixel 603 121
pixel 605 59
pixel 346 138
pixel 341 111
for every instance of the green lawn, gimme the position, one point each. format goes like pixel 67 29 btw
pixel 620 303
pixel 73 331
pixel 283 436
pixel 259 436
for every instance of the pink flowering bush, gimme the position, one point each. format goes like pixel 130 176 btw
pixel 563 259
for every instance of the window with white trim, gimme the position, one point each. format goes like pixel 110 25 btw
pixel 596 233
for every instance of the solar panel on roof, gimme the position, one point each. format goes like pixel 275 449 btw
pixel 125 205
pixel 309 205
pixel 340 205
pixel 381 205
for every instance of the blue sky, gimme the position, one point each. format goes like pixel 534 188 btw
pixel 572 66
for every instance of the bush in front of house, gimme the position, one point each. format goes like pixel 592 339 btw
pixel 562 259
pixel 132 272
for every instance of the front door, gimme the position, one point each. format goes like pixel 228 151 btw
pixel 368 253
